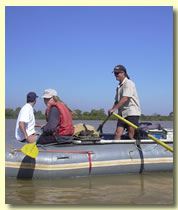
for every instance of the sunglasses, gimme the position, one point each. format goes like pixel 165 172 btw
pixel 116 73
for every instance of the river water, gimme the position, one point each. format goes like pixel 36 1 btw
pixel 125 190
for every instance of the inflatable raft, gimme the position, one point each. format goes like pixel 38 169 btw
pixel 88 157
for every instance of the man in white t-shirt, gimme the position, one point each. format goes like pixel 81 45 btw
pixel 126 101
pixel 25 125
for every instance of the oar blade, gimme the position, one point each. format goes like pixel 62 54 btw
pixel 31 150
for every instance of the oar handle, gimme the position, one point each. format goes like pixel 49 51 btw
pixel 149 135
pixel 101 125
pixel 37 138
pixel 160 142
pixel 126 121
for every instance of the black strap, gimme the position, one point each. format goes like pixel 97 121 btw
pixel 140 134
pixel 85 127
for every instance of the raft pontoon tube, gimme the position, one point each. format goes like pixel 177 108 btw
pixel 101 156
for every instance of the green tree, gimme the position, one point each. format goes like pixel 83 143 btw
pixel 17 111
pixel 39 115
pixel 10 114
pixel 86 114
pixel 78 112
pixel 171 114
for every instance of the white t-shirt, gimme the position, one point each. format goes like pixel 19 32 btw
pixel 26 115
pixel 132 106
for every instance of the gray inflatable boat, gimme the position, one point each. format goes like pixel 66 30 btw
pixel 88 157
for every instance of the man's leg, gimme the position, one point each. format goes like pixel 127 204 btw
pixel 46 139
pixel 131 132
pixel 32 138
pixel 118 133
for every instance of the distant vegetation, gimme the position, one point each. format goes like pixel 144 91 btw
pixel 13 114
pixel 93 115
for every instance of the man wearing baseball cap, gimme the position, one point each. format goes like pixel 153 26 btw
pixel 126 101
pixel 25 125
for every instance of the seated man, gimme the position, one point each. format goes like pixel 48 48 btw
pixel 25 125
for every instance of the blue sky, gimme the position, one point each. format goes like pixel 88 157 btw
pixel 74 50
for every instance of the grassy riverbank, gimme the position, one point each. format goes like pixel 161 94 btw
pixel 93 115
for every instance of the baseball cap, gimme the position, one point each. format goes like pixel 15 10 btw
pixel 49 93
pixel 31 96
pixel 119 68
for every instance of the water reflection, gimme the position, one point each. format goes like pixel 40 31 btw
pixel 24 172
pixel 154 188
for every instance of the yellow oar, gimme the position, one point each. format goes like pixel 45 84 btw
pixel 31 149
pixel 101 125
pixel 150 136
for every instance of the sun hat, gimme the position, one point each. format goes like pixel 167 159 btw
pixel 49 93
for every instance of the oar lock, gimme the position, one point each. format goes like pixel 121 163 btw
pixel 12 153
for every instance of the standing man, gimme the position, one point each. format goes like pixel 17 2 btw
pixel 25 125
pixel 126 101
